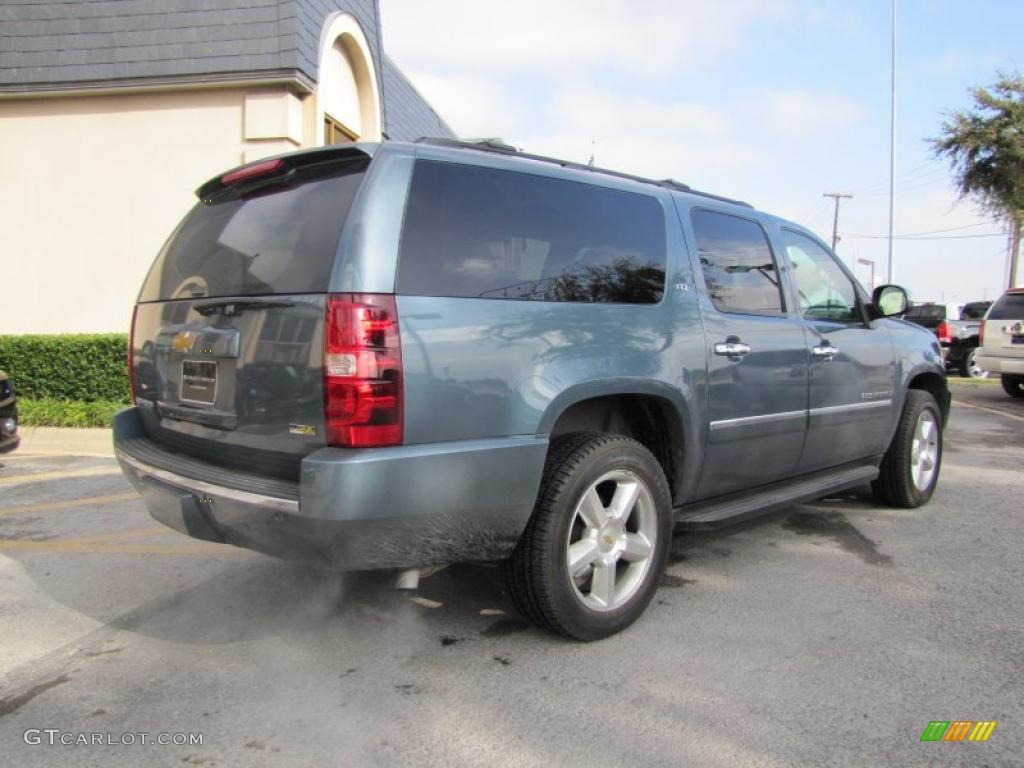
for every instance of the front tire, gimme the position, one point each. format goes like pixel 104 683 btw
pixel 1012 385
pixel 910 468
pixel 592 554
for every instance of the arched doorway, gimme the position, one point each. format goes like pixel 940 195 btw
pixel 348 97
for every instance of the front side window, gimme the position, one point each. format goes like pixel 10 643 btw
pixel 824 290
pixel 738 264
pixel 477 232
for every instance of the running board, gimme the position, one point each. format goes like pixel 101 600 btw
pixel 716 513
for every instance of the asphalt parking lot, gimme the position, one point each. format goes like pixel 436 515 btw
pixel 827 634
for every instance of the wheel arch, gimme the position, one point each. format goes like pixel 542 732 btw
pixel 654 414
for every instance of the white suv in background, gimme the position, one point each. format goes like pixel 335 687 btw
pixel 1002 341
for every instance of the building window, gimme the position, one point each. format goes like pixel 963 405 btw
pixel 336 133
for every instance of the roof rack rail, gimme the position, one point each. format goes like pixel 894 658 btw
pixel 500 147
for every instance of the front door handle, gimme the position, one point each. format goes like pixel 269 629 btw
pixel 731 348
pixel 824 351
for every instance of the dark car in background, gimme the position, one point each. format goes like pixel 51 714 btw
pixel 8 415
pixel 960 339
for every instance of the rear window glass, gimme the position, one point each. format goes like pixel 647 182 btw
pixel 1009 307
pixel 486 233
pixel 282 239
pixel 927 311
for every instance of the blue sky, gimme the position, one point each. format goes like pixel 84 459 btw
pixel 772 102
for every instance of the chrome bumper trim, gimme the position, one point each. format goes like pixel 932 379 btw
pixel 199 486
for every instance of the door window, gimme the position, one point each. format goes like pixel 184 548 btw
pixel 825 292
pixel 739 268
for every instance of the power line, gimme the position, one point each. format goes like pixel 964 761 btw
pixel 917 237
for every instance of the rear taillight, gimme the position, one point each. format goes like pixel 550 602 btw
pixel 944 332
pixel 362 371
pixel 131 354
pixel 981 334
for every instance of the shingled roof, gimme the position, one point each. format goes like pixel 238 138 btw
pixel 56 46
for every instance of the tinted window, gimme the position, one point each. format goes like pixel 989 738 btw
pixel 280 239
pixel 824 290
pixel 1009 307
pixel 930 311
pixel 485 233
pixel 739 268
pixel 974 310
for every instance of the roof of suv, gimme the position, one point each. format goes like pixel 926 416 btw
pixel 496 146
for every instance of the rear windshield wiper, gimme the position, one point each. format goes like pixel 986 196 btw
pixel 234 306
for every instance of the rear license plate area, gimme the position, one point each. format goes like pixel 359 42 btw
pixel 1017 338
pixel 199 381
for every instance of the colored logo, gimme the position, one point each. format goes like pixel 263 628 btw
pixel 182 342
pixel 958 730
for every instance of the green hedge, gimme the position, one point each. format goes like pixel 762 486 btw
pixel 47 412
pixel 84 367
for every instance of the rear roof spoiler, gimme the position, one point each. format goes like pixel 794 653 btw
pixel 289 161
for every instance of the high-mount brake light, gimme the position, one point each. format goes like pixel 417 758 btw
pixel 251 171
pixel 362 371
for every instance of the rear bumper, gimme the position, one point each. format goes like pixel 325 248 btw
pixel 395 507
pixel 1009 365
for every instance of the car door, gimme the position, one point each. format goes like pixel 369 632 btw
pixel 756 357
pixel 852 364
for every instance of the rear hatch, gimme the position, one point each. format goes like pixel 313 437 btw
pixel 228 334
pixel 1004 326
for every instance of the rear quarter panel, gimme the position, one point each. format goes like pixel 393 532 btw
pixel 478 368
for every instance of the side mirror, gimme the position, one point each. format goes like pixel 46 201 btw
pixel 889 300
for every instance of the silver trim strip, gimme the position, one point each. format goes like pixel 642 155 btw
pixel 191 484
pixel 851 407
pixel 744 421
pixel 766 418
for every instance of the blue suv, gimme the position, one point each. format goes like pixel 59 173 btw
pixel 400 355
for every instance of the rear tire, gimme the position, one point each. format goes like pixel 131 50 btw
pixel 592 554
pixel 910 468
pixel 1012 385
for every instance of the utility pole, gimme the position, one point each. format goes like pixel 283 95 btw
pixel 835 218
pixel 892 140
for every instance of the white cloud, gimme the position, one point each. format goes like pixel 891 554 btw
pixel 798 113
pixel 654 37
pixel 473 105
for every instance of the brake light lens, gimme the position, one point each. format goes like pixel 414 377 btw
pixel 131 354
pixel 981 334
pixel 251 171
pixel 945 332
pixel 362 371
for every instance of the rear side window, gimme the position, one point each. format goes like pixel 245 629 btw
pixel 739 268
pixel 483 233
pixel 280 239
pixel 1010 306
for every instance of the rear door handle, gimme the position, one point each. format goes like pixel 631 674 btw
pixel 731 348
pixel 824 351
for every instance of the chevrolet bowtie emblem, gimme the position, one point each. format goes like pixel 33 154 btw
pixel 182 342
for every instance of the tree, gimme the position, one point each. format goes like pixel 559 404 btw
pixel 985 147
